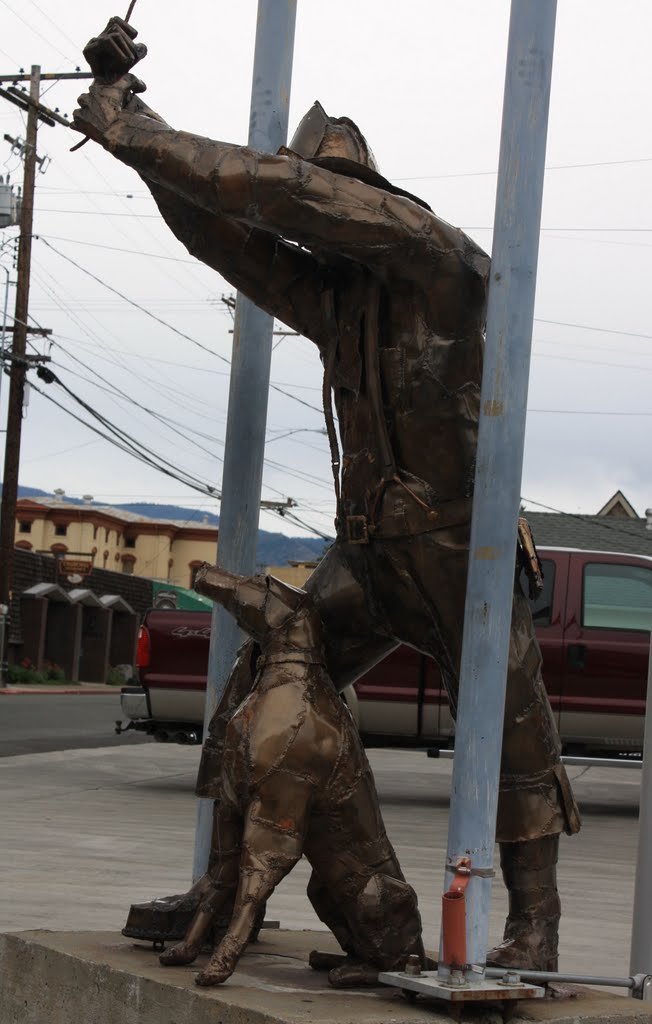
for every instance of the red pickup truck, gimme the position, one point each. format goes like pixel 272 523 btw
pixel 592 620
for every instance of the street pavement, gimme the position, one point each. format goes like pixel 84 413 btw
pixel 87 831
pixel 35 723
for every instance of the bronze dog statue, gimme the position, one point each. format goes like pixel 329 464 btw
pixel 296 780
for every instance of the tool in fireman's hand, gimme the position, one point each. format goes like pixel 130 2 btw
pixel 120 52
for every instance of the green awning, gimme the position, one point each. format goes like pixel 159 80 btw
pixel 187 600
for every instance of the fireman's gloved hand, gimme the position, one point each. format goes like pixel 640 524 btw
pixel 114 53
pixel 103 104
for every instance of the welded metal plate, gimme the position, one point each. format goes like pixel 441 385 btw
pixel 428 983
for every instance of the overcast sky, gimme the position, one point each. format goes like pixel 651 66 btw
pixel 424 81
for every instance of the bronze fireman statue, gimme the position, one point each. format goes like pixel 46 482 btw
pixel 394 298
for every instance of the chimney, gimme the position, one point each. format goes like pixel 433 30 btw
pixel 87 499
pixel 648 515
pixel 204 518
pixel 59 493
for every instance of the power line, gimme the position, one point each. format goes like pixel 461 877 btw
pixel 587 412
pixel 112 440
pixel 66 57
pixel 592 347
pixel 143 451
pixel 565 227
pixel 602 241
pixel 43 14
pixel 592 362
pixel 175 330
pixel 128 449
pixel 464 227
pixel 548 167
pixel 146 227
pixel 294 518
pixel 176 425
pixel 588 327
pixel 115 248
pixel 159 387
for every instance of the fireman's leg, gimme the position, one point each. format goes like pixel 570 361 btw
pixel 532 928
pixel 535 802
pixel 535 805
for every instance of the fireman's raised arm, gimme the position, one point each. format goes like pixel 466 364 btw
pixel 276 275
pixel 282 195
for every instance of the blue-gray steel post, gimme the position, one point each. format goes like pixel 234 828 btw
pixel 641 950
pixel 474 799
pixel 250 369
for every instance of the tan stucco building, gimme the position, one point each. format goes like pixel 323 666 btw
pixel 294 573
pixel 112 538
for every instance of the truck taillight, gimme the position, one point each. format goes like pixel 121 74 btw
pixel 142 651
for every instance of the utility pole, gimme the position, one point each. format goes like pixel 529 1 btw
pixel 250 369
pixel 19 348
pixel 36 111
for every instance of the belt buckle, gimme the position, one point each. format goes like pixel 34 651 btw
pixel 357 530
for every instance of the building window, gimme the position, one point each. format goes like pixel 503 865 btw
pixel 128 568
pixel 105 558
pixel 194 569
pixel 60 530
pixel 130 542
pixel 24 526
pixel 107 536
pixel 58 550
pixel 617 596
pixel 95 533
pixel 24 545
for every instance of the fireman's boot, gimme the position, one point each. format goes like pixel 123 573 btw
pixel 187 951
pixel 532 927
pixel 168 918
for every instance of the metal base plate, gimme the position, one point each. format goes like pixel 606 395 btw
pixel 428 983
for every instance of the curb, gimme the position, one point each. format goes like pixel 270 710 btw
pixel 43 690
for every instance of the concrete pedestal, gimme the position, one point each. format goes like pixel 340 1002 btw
pixel 73 977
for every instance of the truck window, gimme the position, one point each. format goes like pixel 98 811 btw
pixel 617 596
pixel 542 605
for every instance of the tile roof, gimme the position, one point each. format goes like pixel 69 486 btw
pixel 124 514
pixel 590 533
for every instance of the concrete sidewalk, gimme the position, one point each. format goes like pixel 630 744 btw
pixel 87 832
pixel 8 691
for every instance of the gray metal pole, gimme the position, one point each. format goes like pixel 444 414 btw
pixel 474 798
pixel 641 951
pixel 250 369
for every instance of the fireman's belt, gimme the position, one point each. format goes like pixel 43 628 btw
pixel 411 520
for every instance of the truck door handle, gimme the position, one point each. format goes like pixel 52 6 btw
pixel 576 655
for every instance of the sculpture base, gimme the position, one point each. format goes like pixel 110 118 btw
pixel 428 983
pixel 70 977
